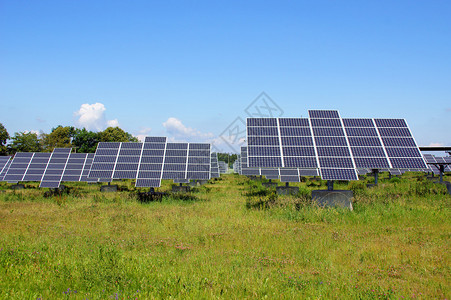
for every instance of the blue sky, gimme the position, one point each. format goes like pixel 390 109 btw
pixel 188 70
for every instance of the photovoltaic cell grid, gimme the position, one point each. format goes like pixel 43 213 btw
pixel 245 170
pixel 434 163
pixel 176 161
pixel 332 147
pixel 18 167
pixel 214 171
pixel 36 168
pixel 366 145
pixel 399 144
pixel 55 168
pixel 151 164
pixel 199 161
pixel 75 166
pixel 86 168
pixel 5 162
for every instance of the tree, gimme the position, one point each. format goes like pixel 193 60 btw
pixel 116 134
pixel 4 136
pixel 60 137
pixel 85 141
pixel 228 158
pixel 24 142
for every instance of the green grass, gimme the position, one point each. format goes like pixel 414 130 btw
pixel 229 239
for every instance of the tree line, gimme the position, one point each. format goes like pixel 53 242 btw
pixel 83 140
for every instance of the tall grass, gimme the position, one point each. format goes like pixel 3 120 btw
pixel 228 239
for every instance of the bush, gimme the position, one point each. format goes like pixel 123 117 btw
pixel 395 180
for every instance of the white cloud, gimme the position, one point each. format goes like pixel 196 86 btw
pixel 112 123
pixel 143 132
pixel 178 132
pixel 176 128
pixel 92 117
pixel 436 145
pixel 32 131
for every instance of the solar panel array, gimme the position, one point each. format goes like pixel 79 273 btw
pixel 146 162
pixel 434 163
pixel 48 168
pixel 335 146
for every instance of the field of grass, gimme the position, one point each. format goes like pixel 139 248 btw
pixel 229 239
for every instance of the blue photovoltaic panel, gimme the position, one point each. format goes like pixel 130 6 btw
pixel 5 169
pixel 176 161
pixel 55 168
pixel 87 168
pixel 338 174
pixel 199 161
pixel 401 149
pixel 362 123
pixel 18 167
pixel 127 161
pixel 365 143
pixel 5 161
pixel 155 139
pixel 323 114
pixel 297 144
pixel 333 151
pixel 37 167
pixel 102 166
pixel 261 122
pixel 151 165
pixel 263 148
pixel 74 167
pixel 214 168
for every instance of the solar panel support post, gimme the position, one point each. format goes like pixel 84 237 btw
pixel 442 170
pixel 330 185
pixel 376 175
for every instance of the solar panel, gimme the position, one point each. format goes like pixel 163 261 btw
pixel 199 161
pixel 4 166
pixel 176 161
pixel 74 167
pixel 151 163
pixel 37 167
pixel 334 155
pixel 127 160
pixel 214 168
pixel 104 160
pixel 86 168
pixel 55 168
pixel 367 155
pixel 399 144
pixel 18 167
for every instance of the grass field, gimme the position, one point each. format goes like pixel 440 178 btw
pixel 229 239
